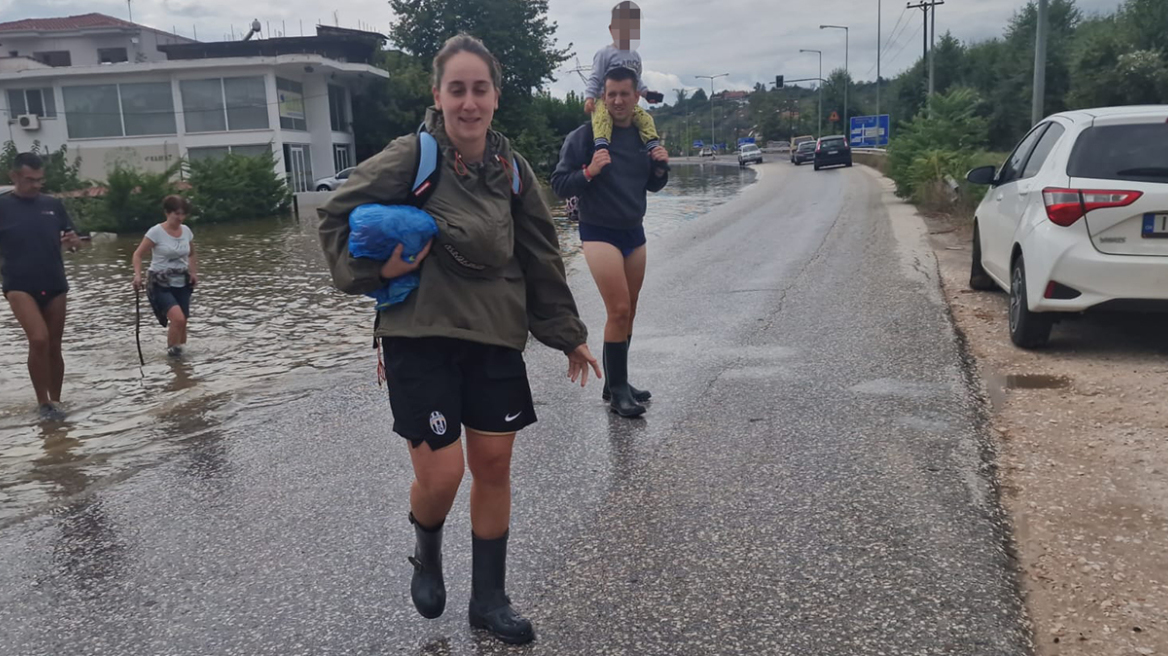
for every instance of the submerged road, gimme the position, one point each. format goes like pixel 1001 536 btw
pixel 811 480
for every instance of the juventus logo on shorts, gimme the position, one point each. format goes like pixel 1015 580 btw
pixel 438 423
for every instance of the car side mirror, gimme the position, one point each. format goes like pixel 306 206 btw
pixel 983 175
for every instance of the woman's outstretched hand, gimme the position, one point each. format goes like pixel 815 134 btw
pixel 578 363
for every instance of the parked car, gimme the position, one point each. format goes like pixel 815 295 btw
pixel 1077 219
pixel 804 152
pixel 334 182
pixel 833 151
pixel 749 153
pixel 706 152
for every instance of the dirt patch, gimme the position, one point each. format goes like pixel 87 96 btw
pixel 1083 442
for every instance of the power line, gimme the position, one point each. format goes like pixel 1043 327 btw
pixel 906 43
pixel 891 39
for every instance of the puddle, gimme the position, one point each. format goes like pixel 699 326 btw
pixel 999 385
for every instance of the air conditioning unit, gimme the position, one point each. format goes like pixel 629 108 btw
pixel 29 121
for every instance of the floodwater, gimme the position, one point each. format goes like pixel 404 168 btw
pixel 265 329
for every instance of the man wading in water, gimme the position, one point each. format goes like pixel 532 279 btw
pixel 33 230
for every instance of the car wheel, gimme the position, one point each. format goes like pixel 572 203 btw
pixel 817 167
pixel 323 188
pixel 849 165
pixel 978 278
pixel 1028 329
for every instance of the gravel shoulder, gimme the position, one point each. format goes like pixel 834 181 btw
pixel 1082 432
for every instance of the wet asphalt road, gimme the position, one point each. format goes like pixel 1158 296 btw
pixel 811 480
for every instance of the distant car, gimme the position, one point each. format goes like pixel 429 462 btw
pixel 833 151
pixel 749 153
pixel 804 152
pixel 706 152
pixel 798 140
pixel 334 182
pixel 1077 219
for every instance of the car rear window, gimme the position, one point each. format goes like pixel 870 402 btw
pixel 1137 153
pixel 833 143
pixel 807 145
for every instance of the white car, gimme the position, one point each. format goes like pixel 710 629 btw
pixel 749 153
pixel 1077 219
pixel 334 182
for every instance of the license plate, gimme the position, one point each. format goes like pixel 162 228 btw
pixel 833 152
pixel 1156 226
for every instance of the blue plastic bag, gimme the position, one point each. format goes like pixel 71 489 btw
pixel 374 233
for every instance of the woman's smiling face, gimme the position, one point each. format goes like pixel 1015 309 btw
pixel 467 98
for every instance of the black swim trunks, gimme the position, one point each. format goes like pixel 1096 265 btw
pixel 42 297
pixel 438 385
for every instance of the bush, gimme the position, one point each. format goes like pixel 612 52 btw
pixel 60 173
pixel 132 201
pixel 931 150
pixel 237 187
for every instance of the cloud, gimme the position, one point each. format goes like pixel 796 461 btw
pixel 753 40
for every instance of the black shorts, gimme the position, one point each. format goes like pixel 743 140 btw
pixel 627 241
pixel 43 296
pixel 438 385
pixel 162 298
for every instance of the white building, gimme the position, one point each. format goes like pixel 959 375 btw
pixel 116 92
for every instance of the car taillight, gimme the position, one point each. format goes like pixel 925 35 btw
pixel 1066 206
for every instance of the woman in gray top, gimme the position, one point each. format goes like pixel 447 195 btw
pixel 173 271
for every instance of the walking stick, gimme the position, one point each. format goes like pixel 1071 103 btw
pixel 138 324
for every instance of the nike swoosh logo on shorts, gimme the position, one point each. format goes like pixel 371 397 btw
pixel 511 418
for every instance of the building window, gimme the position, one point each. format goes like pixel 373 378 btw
pixel 54 58
pixel 41 102
pixel 292 115
pixel 247 103
pixel 113 110
pixel 112 55
pixel 220 104
pixel 148 108
pixel 337 114
pixel 216 152
pixel 93 111
pixel 341 157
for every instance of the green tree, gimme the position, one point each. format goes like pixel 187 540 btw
pixel 393 107
pixel 517 32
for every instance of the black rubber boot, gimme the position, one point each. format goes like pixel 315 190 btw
pixel 639 395
pixel 616 367
pixel 427 587
pixel 490 608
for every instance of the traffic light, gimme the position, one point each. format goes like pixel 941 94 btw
pixel 778 81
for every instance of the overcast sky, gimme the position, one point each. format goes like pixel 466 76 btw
pixel 753 40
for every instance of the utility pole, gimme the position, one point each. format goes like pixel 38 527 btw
pixel 711 78
pixel 1036 110
pixel 130 8
pixel 926 5
pixel 847 74
pixel 879 37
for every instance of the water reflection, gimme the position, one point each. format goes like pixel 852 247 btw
pixel 264 319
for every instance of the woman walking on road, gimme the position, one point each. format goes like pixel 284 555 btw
pixel 173 271
pixel 454 347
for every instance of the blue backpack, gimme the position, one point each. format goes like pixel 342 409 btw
pixel 428 169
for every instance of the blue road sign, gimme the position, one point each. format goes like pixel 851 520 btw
pixel 745 140
pixel 870 131
pixel 698 144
